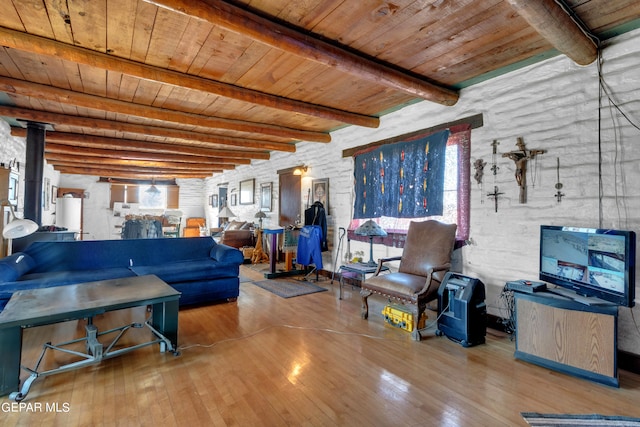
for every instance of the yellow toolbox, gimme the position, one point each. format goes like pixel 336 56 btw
pixel 401 317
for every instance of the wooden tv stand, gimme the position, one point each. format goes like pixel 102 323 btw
pixel 559 333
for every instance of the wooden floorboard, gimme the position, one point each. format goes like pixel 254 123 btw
pixel 309 360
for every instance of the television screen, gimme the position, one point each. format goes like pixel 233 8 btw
pixel 592 262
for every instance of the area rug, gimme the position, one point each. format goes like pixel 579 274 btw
pixel 552 420
pixel 288 289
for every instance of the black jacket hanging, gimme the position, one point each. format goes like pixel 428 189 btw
pixel 315 215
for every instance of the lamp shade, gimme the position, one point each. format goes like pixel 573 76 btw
pixel 260 215
pixel 225 212
pixel 19 228
pixel 152 190
pixel 370 229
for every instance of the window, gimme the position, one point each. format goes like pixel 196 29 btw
pixel 167 198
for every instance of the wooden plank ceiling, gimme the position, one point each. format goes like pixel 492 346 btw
pixel 164 89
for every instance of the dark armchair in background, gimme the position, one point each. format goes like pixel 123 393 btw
pixel 425 260
pixel 238 234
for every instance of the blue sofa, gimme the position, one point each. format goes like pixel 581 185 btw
pixel 201 269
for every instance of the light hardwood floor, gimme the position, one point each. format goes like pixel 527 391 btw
pixel 309 360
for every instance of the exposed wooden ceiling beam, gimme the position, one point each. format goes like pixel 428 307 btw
pixel 71 170
pixel 44 46
pixel 82 160
pixel 50 93
pixel 552 22
pixel 93 123
pixel 137 155
pixel 101 142
pixel 307 46
pixel 134 169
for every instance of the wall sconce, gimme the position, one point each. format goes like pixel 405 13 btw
pixel 299 170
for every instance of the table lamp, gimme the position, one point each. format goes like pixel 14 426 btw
pixel 17 227
pixel 260 215
pixel 225 213
pixel 371 230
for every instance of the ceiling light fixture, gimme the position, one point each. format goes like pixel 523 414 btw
pixel 153 189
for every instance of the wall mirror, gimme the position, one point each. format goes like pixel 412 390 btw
pixel 265 197
pixel 247 191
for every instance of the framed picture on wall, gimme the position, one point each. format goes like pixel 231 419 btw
pixel 214 200
pixel 233 199
pixel 265 197
pixel 247 189
pixel 320 192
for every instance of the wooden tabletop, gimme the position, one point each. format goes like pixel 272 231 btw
pixel 49 305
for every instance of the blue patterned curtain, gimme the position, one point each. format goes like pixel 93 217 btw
pixel 401 180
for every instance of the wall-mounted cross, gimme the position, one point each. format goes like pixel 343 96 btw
pixel 520 157
pixel 495 195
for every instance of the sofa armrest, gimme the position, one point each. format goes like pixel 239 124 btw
pixel 226 254
pixel 14 266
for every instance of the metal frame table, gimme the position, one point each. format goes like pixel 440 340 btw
pixel 359 269
pixel 38 307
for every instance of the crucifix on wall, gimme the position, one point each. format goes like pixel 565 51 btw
pixel 520 157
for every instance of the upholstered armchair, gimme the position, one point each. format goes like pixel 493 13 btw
pixel 425 260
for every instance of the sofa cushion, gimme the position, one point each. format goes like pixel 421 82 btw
pixel 14 266
pixel 98 254
pixel 61 278
pixel 187 271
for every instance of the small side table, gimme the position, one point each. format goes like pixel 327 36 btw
pixel 273 250
pixel 359 270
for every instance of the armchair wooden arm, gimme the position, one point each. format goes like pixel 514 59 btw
pixel 382 261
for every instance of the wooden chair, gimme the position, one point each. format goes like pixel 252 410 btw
pixel 425 260
pixel 194 226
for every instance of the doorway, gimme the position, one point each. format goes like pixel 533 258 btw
pixel 289 198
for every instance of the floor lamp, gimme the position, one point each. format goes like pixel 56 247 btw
pixel 371 230
pixel 17 227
